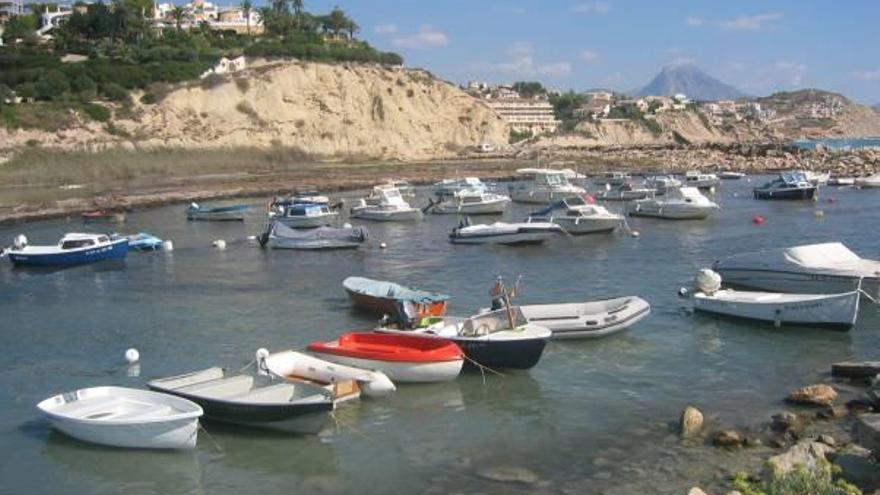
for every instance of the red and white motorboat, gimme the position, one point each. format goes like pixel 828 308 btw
pixel 403 358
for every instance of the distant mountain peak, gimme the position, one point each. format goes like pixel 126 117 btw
pixel 690 80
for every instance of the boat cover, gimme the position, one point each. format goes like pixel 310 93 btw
pixel 353 234
pixel 832 258
pixel 390 290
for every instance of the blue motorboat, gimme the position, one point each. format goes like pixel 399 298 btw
pixel 72 249
pixel 143 242
pixel 219 213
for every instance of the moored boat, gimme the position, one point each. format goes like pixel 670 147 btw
pixel 343 381
pixel 280 236
pixel 588 319
pixel 124 417
pixel 385 204
pixel 700 180
pixel 579 215
pixel 143 242
pixel 612 178
pixel 471 202
pixel 253 401
pixel 841 181
pixel 624 192
pixel 103 216
pixel 660 183
pixel 730 175
pixel 678 203
pixel 217 213
pixel 539 185
pixel 789 185
pixel 303 215
pixel 403 358
pixel 508 234
pixel 871 182
pixel 497 339
pixel 381 297
pixel 72 249
pixel 451 187
pixel 826 268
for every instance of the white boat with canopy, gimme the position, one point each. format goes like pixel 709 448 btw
pixel 540 185
pixel 827 268
pixel 678 203
pixel 471 202
pixel 385 204
pixel 577 216
pixel 450 187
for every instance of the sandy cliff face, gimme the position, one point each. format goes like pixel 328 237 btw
pixel 333 110
pixel 671 127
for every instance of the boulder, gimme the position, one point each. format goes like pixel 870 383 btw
pixel 784 421
pixel 859 470
pixel 860 406
pixel 691 421
pixel 727 438
pixel 816 395
pixel 850 369
pixel 867 431
pixel 696 491
pixel 833 412
pixel 804 453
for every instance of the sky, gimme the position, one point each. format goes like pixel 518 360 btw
pixel 758 46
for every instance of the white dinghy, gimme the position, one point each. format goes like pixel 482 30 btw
pixel 125 417
pixel 827 268
pixel 838 311
pixel 590 319
pixel 297 366
pixel 510 234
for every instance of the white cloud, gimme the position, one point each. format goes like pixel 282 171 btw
pixel 554 69
pixel 790 73
pixel 385 29
pixel 426 37
pixel 521 49
pixel 781 75
pixel 682 60
pixel 868 75
pixel 751 23
pixel 597 7
pixel 522 63
pixel 590 56
pixel 742 23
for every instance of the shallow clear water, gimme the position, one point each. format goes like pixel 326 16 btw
pixel 593 415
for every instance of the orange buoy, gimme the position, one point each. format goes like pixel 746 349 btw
pixel 758 220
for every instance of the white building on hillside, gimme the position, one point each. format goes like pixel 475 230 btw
pixel 525 115
pixel 227 66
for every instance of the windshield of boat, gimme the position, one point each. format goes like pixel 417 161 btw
pixel 494 321
pixel 78 243
pixel 553 179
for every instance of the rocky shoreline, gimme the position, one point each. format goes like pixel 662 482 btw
pixel 334 177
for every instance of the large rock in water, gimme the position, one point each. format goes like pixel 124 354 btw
pixel 691 421
pixel 817 395
pixel 867 431
pixel 727 438
pixel 804 453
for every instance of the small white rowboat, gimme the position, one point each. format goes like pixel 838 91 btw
pixel 125 417
pixel 589 319
pixel 836 311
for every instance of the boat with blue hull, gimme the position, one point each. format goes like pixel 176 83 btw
pixel 72 249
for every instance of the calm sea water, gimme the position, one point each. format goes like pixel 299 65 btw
pixel 593 416
pixel 840 143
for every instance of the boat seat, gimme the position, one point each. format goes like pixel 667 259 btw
pixel 281 392
pixel 155 411
pixel 223 388
pixel 86 408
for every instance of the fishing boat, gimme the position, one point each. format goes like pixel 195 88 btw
pixel 343 381
pixel 216 214
pixel 407 190
pixel 450 187
pixel 305 196
pixel 279 236
pixel 579 215
pixel 403 358
pixel 385 204
pixel 381 298
pixel 841 181
pixel 508 234
pixel 588 319
pixel 700 180
pixel 497 339
pixel 143 242
pixel 838 311
pixel 678 203
pixel 731 175
pixel 72 249
pixel 103 216
pixel 612 178
pixel 871 182
pixel 471 202
pixel 575 177
pixel 124 417
pixel 660 183
pixel 826 268
pixel 254 401
pixel 539 185
pixel 624 192
pixel 303 215
pixel 789 185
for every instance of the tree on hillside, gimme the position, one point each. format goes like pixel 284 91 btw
pixel 336 22
pixel 179 14
pixel 246 6
pixel 528 89
pixel 298 7
pixel 20 27
pixel 352 28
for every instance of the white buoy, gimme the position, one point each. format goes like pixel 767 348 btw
pixel 168 245
pixel 132 356
pixel 818 213
pixel 346 225
pixel 382 245
pixel 635 233
pixel 682 292
pixel 220 244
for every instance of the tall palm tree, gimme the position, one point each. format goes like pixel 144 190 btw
pixel 352 28
pixel 179 14
pixel 246 6
pixel 298 7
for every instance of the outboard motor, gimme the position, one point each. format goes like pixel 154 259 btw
pixel 20 242
pixel 707 281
